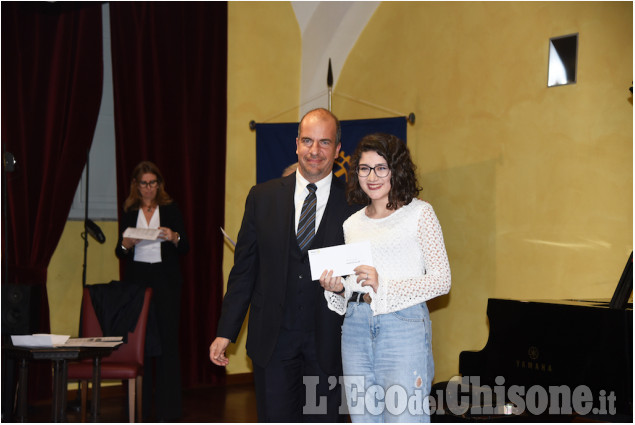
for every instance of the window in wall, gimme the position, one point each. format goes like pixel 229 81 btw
pixel 563 58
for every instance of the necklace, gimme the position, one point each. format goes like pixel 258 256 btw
pixel 150 208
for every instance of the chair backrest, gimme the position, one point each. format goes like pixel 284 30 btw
pixel 133 350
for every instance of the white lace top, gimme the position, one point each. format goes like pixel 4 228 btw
pixel 408 253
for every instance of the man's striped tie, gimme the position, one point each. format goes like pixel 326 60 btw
pixel 306 225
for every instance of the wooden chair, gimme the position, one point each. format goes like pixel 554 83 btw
pixel 125 363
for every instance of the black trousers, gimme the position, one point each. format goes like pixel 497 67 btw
pixel 162 374
pixel 293 387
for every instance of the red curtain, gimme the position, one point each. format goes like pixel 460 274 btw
pixel 169 77
pixel 51 93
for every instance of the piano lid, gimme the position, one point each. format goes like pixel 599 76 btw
pixel 599 302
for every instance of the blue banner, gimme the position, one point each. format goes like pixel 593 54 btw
pixel 275 144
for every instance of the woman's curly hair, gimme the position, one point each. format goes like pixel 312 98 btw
pixel 403 180
pixel 133 202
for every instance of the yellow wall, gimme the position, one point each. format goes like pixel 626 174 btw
pixel 532 185
pixel 64 278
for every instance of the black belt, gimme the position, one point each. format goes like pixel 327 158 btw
pixel 358 297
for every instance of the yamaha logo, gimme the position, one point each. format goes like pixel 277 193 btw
pixel 533 352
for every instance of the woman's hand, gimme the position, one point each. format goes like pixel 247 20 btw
pixel 367 276
pixel 331 283
pixel 168 235
pixel 128 243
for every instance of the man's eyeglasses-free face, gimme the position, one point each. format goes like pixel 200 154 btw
pixel 381 170
pixel 151 184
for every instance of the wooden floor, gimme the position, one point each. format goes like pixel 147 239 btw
pixel 231 403
pixel 237 403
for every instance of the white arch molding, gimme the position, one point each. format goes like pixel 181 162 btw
pixel 329 30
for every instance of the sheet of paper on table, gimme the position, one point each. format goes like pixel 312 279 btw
pixel 104 341
pixel 342 259
pixel 138 233
pixel 51 340
pixel 38 340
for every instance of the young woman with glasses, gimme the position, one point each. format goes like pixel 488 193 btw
pixel 386 336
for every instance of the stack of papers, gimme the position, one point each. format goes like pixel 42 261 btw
pixel 38 340
pixel 51 340
pixel 104 341
pixel 139 233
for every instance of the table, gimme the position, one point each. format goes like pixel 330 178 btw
pixel 60 357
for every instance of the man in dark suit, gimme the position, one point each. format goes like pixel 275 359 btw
pixel 293 338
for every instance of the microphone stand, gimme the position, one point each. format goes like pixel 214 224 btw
pixel 76 405
pixel 85 236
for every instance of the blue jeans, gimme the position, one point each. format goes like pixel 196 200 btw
pixel 388 365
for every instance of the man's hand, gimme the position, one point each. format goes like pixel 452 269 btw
pixel 330 283
pixel 217 351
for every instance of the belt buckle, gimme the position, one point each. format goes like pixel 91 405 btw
pixel 358 297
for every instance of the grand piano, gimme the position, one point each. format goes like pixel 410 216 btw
pixel 562 354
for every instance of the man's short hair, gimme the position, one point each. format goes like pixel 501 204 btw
pixel 338 127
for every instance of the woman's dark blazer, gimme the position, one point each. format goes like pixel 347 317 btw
pixel 170 216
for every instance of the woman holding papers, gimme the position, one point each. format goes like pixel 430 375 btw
pixel 386 336
pixel 155 263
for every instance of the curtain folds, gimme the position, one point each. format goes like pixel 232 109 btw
pixel 51 93
pixel 169 77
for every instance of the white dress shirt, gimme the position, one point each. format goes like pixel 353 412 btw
pixel 148 251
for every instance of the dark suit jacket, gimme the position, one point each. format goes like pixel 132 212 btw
pixel 170 216
pixel 259 275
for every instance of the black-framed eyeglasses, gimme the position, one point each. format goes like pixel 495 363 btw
pixel 151 184
pixel 381 170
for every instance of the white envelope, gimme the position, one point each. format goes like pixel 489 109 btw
pixel 342 259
